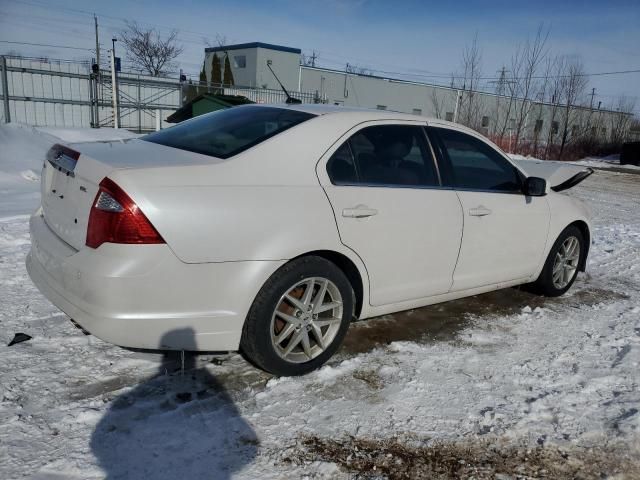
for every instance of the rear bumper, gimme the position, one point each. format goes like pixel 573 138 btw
pixel 143 296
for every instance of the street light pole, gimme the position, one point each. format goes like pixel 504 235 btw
pixel 114 85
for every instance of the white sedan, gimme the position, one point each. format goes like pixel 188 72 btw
pixel 268 229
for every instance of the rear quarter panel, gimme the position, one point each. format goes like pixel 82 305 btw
pixel 263 204
pixel 236 223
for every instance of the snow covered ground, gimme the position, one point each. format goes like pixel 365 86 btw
pixel 497 370
pixel 608 162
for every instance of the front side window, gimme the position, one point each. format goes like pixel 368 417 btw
pixel 228 132
pixel 240 61
pixel 474 165
pixel 385 155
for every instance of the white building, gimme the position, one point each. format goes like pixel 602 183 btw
pixel 249 64
pixel 494 115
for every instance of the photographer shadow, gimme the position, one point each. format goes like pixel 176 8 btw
pixel 178 424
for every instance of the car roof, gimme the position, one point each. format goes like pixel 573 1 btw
pixel 358 115
pixel 325 109
pixel 363 114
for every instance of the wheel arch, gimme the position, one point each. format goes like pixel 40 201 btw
pixel 584 229
pixel 349 268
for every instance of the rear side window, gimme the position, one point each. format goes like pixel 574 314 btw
pixel 228 132
pixel 385 155
pixel 341 167
pixel 474 165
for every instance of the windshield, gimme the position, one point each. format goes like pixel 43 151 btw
pixel 228 132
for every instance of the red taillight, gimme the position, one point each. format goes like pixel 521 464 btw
pixel 115 218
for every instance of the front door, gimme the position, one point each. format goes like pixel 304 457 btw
pixel 504 231
pixel 390 209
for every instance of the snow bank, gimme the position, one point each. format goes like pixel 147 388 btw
pixel 80 135
pixel 22 151
pixel 612 161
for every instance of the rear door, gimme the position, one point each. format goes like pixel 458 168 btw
pixel 390 209
pixel 504 231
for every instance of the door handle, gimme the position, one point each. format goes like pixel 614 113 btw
pixel 360 211
pixel 480 211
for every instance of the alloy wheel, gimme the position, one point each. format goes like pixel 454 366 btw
pixel 566 262
pixel 306 319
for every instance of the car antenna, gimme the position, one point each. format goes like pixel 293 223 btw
pixel 290 99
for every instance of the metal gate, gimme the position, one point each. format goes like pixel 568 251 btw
pixel 61 93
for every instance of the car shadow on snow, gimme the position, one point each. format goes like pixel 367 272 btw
pixel 177 424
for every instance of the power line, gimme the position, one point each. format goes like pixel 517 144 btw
pixel 426 75
pixel 539 77
pixel 46 45
pixel 122 19
pixel 113 24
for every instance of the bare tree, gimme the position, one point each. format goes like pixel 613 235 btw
pixel 470 105
pixel 525 66
pixel 545 85
pixel 149 51
pixel 350 68
pixel 621 123
pixel 437 104
pixel 556 69
pixel 522 86
pixel 219 41
pixel 504 107
pixel 573 82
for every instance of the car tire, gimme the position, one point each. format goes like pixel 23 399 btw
pixel 289 315
pixel 562 265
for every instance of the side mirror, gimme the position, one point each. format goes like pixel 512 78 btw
pixel 535 187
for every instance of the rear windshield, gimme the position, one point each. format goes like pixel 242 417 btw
pixel 228 132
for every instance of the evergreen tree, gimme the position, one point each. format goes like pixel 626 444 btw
pixel 203 74
pixel 215 70
pixel 228 74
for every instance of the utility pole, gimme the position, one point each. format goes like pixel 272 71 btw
pixel 139 104
pixel 593 94
pixel 502 80
pixel 96 79
pixel 95 19
pixel 92 100
pixel 345 92
pixel 114 86
pixel 313 58
pixel 5 90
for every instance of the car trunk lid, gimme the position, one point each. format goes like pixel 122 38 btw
pixel 71 176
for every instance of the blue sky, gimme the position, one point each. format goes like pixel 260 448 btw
pixel 408 37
